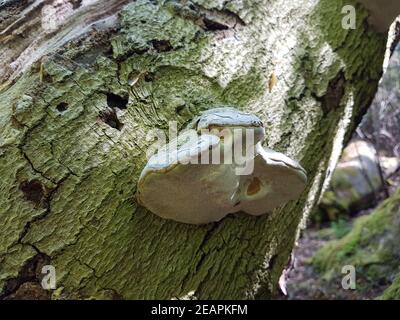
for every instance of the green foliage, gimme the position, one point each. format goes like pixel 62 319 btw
pixel 341 227
pixel 372 246
pixel 393 292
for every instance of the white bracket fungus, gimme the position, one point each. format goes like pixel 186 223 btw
pixel 194 180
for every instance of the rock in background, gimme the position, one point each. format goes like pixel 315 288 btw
pixel 357 181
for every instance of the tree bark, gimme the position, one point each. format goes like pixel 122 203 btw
pixel 83 82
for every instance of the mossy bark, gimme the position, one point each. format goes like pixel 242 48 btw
pixel 78 103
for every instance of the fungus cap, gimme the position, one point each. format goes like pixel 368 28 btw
pixel 188 192
pixel 239 132
pixel 228 117
pixel 276 179
pixel 185 148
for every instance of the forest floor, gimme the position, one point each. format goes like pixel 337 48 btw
pixel 304 283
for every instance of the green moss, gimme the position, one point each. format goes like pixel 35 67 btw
pixel 393 292
pixel 371 246
pixel 341 227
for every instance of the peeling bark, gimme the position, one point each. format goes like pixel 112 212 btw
pixel 71 151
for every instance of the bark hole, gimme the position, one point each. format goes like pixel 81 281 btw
pixel 26 284
pixel 62 107
pixel 110 117
pixel 149 77
pixel 161 45
pixel 180 108
pixel 272 261
pixel 76 4
pixel 212 25
pixel 334 95
pixel 116 101
pixel 33 191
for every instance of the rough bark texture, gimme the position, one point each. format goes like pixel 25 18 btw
pixel 77 102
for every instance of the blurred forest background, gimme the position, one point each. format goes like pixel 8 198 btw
pixel 357 222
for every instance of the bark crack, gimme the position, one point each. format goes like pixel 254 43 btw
pixel 29 275
pixel 42 216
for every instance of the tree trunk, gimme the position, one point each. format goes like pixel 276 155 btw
pixel 83 82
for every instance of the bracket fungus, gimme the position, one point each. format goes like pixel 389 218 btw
pixel 199 177
pixel 237 130
pixel 276 179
